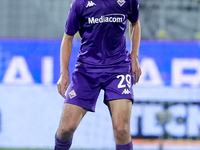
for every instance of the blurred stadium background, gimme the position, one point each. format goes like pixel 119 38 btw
pixel 166 112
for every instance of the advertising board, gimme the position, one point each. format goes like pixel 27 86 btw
pixel 30 106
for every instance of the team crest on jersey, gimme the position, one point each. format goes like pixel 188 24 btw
pixel 72 94
pixel 121 2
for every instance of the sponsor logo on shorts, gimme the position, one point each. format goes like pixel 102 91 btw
pixel 110 18
pixel 72 94
pixel 126 91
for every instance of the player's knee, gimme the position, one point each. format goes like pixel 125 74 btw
pixel 67 131
pixel 121 132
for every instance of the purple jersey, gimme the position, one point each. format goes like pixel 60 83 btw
pixel 102 25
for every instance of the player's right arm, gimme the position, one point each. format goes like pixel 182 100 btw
pixel 71 27
pixel 65 53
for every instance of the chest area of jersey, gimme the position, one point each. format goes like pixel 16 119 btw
pixel 105 11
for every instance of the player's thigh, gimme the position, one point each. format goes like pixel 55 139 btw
pixel 71 117
pixel 83 90
pixel 119 86
pixel 120 112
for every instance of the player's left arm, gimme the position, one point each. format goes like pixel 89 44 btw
pixel 135 36
pixel 65 54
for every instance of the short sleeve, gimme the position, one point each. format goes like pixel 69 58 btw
pixel 72 23
pixel 134 15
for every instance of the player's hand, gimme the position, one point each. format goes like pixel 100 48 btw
pixel 63 84
pixel 136 70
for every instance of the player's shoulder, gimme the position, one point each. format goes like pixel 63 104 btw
pixel 134 1
pixel 78 2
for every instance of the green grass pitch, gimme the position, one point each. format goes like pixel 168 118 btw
pixel 35 149
pixel 38 149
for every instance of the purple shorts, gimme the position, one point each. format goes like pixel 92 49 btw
pixel 84 88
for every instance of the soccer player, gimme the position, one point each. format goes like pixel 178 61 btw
pixel 103 63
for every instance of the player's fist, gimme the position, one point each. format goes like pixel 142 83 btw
pixel 63 84
pixel 136 70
